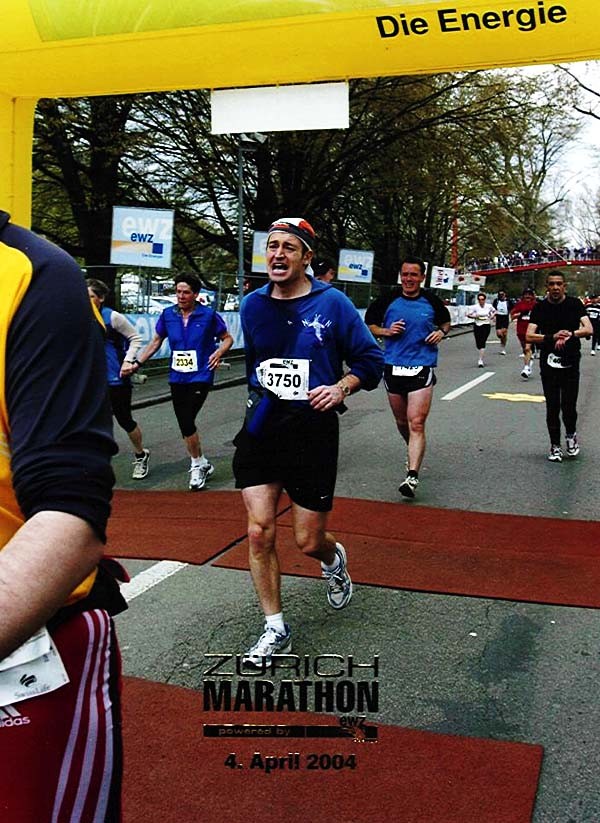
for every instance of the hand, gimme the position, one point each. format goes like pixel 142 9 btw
pixel 214 361
pixel 397 327
pixel 561 338
pixel 324 398
pixel 435 337
pixel 127 369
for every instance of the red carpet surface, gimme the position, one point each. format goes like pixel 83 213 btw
pixel 173 774
pixel 511 557
pixel 168 525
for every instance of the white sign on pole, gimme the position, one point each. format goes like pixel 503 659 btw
pixel 280 108
pixel 355 266
pixel 442 277
pixel 142 237
pixel 259 252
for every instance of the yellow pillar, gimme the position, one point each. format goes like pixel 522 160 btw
pixel 16 136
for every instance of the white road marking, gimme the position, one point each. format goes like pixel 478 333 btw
pixel 470 385
pixel 150 577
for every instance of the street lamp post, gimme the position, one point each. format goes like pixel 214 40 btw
pixel 247 143
pixel 240 276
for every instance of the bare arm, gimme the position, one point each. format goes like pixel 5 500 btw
pixel 396 328
pixel 226 343
pixel 32 589
pixel 585 330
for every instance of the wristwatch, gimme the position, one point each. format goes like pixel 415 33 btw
pixel 344 387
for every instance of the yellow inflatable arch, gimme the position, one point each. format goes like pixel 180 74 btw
pixel 68 48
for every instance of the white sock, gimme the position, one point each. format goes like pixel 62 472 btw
pixel 333 566
pixel 196 461
pixel 275 621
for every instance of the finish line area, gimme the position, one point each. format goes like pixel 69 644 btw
pixel 452 665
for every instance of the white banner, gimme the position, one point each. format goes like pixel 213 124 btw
pixel 259 252
pixel 355 266
pixel 442 277
pixel 141 237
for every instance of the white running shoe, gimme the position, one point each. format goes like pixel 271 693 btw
pixel 339 585
pixel 140 466
pixel 480 363
pixel 408 486
pixel 572 449
pixel 269 643
pixel 503 353
pixel 593 352
pixel 197 479
pixel 556 454
pixel 199 475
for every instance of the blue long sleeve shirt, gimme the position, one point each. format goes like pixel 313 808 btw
pixel 322 326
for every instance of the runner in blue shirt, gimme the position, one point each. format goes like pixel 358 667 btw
pixel 192 330
pixel 412 322
pixel 121 344
pixel 298 333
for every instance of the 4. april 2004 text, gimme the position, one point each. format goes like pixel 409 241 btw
pixel 293 761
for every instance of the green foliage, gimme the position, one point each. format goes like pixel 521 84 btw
pixel 419 152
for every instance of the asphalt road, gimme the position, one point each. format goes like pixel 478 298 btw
pixel 467 666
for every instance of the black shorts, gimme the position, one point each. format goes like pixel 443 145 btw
pixel 120 401
pixel 188 399
pixel 481 334
pixel 405 385
pixel 300 451
pixel 501 321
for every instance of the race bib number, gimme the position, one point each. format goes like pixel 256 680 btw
pixel 406 371
pixel 286 378
pixel 184 361
pixel 35 668
pixel 556 363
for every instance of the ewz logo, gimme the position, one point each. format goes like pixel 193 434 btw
pixel 138 237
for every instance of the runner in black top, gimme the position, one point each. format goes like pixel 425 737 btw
pixel 557 324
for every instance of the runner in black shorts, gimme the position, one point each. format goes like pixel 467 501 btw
pixel 412 321
pixel 298 333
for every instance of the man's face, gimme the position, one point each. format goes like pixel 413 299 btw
pixel 556 289
pixel 287 258
pixel 186 298
pixel 411 278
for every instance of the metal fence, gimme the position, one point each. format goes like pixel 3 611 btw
pixel 149 291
